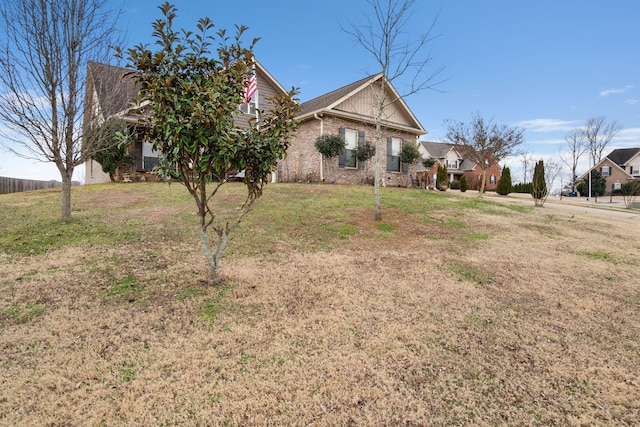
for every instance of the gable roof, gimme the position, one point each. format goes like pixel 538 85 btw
pixel 437 150
pixel 606 161
pixel 115 87
pixel 623 155
pixel 333 103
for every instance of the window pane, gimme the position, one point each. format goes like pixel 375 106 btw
pixel 350 158
pixel 350 139
pixel 396 146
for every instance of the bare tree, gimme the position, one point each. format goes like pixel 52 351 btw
pixel 598 133
pixel 43 61
pixel 552 170
pixel 527 163
pixel 484 142
pixel 576 144
pixel 395 55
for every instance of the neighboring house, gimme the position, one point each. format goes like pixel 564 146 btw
pixel 110 92
pixel 349 112
pixel 618 167
pixel 446 154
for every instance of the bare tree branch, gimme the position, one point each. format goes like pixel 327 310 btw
pixel 484 142
pixel 598 134
pixel 576 144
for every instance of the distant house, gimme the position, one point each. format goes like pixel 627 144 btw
pixel 110 92
pixel 445 154
pixel 349 112
pixel 618 167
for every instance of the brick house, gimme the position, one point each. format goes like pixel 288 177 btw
pixel 446 154
pixel 618 167
pixel 349 113
pixel 105 80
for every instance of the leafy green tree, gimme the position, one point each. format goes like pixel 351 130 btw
pixel 464 185
pixel 598 185
pixel 192 100
pixel 539 185
pixel 504 185
pixel 442 177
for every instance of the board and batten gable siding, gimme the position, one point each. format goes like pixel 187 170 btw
pixel 363 103
pixel 265 92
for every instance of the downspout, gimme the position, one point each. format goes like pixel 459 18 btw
pixel 318 117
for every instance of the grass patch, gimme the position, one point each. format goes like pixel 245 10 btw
pixel 212 307
pixel 472 273
pixel 21 313
pixel 126 289
pixel 127 371
pixel 473 236
pixel 608 257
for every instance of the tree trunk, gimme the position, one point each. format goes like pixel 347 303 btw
pixel 377 178
pixel 213 259
pixel 377 210
pixel 483 180
pixel 65 198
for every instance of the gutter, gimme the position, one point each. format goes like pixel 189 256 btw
pixel 319 117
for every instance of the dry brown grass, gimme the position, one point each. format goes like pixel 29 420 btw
pixel 501 318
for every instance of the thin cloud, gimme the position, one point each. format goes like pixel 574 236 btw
pixel 615 91
pixel 632 101
pixel 547 125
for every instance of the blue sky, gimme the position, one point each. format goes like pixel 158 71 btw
pixel 547 66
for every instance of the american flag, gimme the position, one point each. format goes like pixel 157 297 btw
pixel 252 87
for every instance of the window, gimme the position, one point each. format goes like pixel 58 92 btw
pixel 251 106
pixel 146 157
pixel 605 170
pixel 492 179
pixel 634 170
pixel 350 148
pixel 452 164
pixel 394 147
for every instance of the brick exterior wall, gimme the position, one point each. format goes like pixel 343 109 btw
pixel 303 161
pixel 617 175
pixel 474 178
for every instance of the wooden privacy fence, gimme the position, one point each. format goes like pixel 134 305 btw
pixel 15 185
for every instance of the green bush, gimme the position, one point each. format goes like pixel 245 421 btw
pixel 504 185
pixel 442 177
pixel 329 146
pixel 464 186
pixel 525 187
pixel 455 185
pixel 598 185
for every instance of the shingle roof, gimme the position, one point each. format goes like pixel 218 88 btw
pixel 115 87
pixel 622 155
pixel 437 149
pixel 328 99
